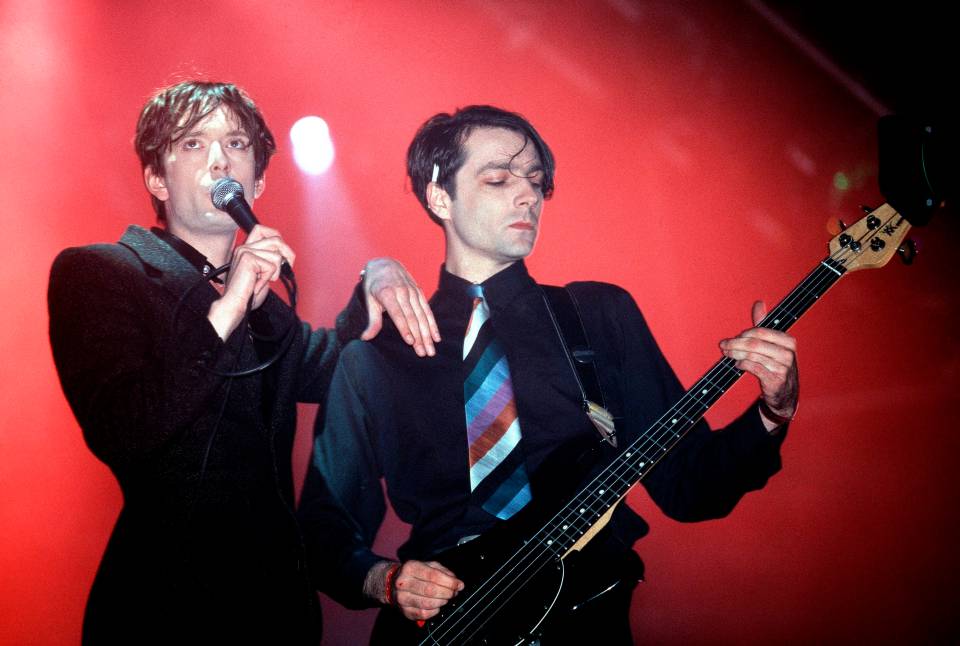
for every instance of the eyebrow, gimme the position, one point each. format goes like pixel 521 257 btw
pixel 506 165
pixel 232 133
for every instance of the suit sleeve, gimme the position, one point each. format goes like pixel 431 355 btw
pixel 708 473
pixel 342 505
pixel 133 380
pixel 323 347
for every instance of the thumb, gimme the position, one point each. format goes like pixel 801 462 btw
pixel 375 320
pixel 759 311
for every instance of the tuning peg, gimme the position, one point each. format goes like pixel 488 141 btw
pixel 907 251
pixel 866 209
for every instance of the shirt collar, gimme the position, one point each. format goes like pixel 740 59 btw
pixel 499 289
pixel 183 248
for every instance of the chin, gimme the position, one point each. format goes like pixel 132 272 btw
pixel 219 220
pixel 527 248
pixel 520 253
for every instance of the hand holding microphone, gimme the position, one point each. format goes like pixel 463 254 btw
pixel 260 260
pixel 227 196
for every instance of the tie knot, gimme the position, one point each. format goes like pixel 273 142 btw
pixel 475 291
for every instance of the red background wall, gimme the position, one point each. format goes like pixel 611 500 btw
pixel 698 162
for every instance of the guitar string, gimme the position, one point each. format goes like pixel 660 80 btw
pixel 803 293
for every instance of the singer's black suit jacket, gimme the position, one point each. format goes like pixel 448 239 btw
pixel 206 548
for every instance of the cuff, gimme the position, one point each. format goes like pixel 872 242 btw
pixel 353 320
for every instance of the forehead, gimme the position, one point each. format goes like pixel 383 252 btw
pixel 222 117
pixel 499 147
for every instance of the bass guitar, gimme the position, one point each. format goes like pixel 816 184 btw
pixel 515 574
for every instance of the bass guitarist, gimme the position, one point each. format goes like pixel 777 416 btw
pixel 470 440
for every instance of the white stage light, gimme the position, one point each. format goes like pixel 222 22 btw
pixel 312 145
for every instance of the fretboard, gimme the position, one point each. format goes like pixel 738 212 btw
pixel 636 460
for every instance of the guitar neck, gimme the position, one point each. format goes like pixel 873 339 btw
pixel 664 434
pixel 870 243
pixel 599 496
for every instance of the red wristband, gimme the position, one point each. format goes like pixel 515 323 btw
pixel 388 583
pixel 779 420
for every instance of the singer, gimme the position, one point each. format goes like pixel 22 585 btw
pixel 206 548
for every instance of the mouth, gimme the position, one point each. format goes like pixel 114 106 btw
pixel 523 226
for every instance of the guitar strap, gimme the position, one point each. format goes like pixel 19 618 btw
pixel 565 316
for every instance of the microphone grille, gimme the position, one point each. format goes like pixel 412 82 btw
pixel 224 191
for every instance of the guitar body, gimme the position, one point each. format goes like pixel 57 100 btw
pixel 557 592
pixel 539 591
pixel 517 621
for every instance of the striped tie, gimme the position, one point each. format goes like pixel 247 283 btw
pixel 498 476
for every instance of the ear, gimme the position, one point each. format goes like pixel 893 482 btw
pixel 258 186
pixel 155 184
pixel 438 200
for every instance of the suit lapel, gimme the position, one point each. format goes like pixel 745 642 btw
pixel 169 269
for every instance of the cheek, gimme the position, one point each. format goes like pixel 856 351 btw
pixel 179 169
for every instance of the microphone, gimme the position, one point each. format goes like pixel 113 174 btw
pixel 227 195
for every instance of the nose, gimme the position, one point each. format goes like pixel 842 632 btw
pixel 217 161
pixel 528 195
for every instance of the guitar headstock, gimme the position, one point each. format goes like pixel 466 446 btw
pixel 872 241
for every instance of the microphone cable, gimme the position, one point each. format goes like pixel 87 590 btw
pixel 284 336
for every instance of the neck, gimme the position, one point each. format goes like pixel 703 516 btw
pixel 472 267
pixel 217 248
